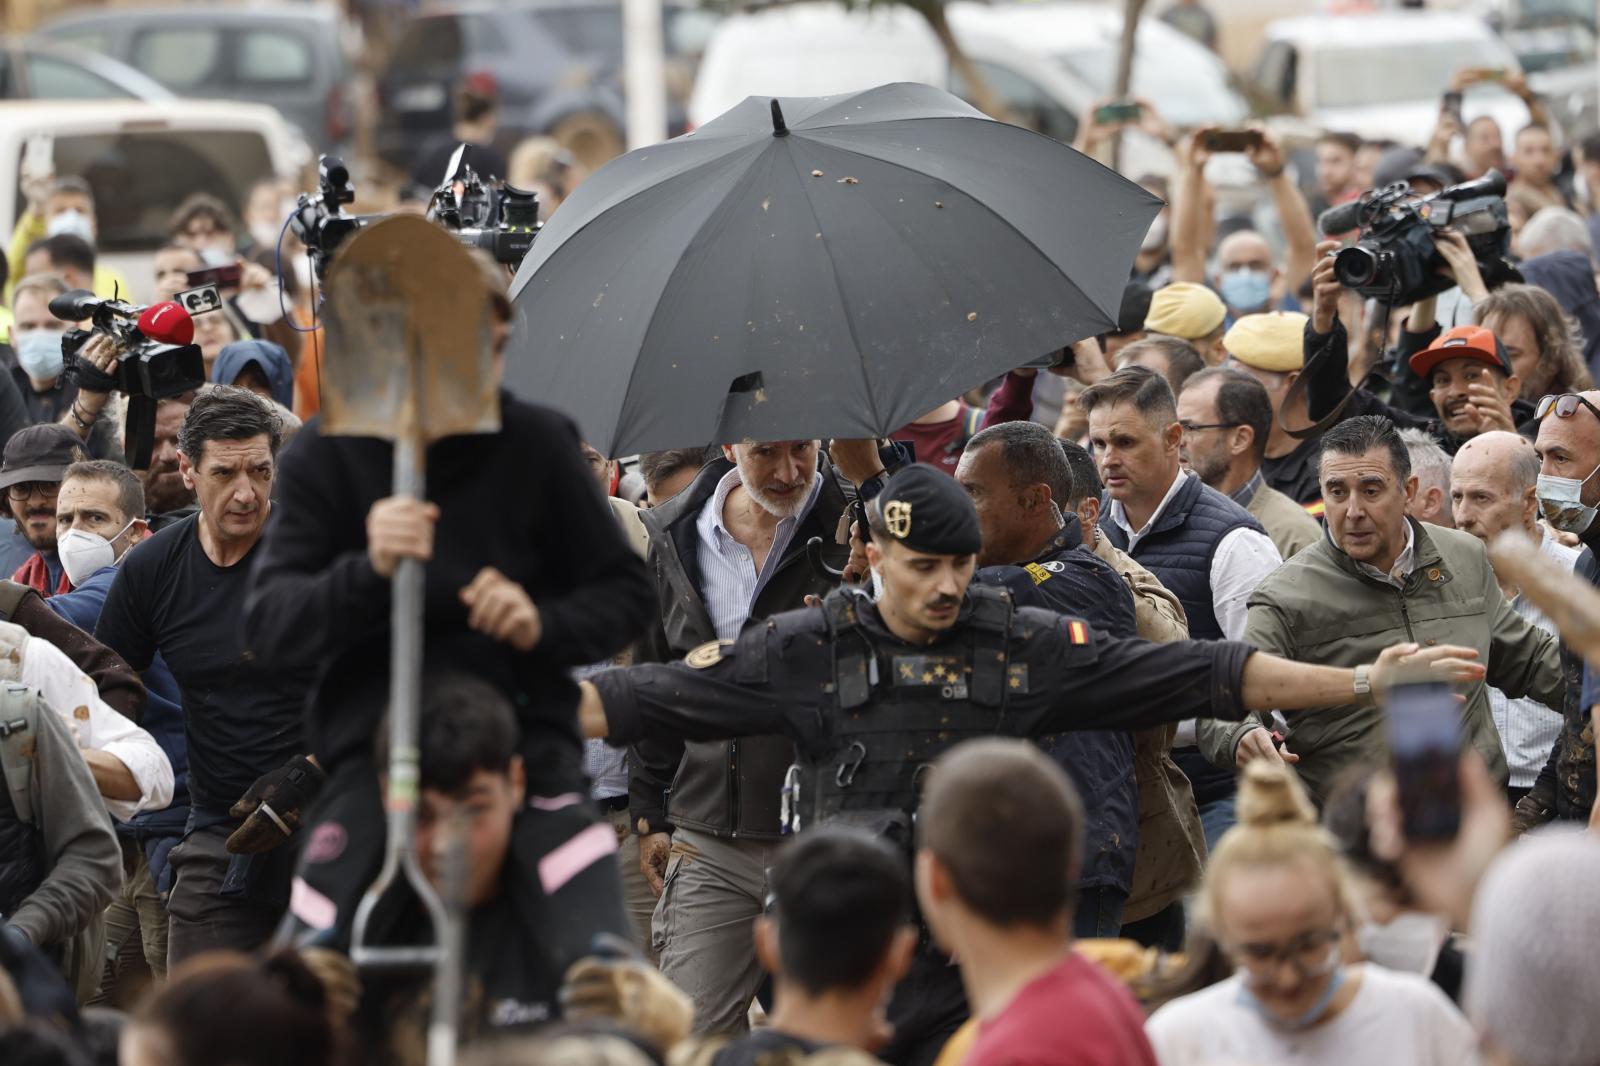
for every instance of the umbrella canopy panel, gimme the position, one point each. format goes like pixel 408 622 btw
pixel 888 251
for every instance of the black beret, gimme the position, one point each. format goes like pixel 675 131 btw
pixel 924 509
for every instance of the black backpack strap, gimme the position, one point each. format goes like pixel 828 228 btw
pixel 990 628
pixel 852 653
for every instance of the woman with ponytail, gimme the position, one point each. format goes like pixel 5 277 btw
pixel 1278 899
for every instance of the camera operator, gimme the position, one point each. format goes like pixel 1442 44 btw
pixel 1472 392
pixel 46 395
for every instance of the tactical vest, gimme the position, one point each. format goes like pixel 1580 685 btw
pixel 22 866
pixel 1180 548
pixel 892 712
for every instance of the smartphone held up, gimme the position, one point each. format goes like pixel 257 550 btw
pixel 1425 737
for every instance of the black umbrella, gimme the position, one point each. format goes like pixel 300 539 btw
pixel 816 267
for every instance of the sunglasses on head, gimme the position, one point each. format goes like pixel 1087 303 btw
pixel 1565 406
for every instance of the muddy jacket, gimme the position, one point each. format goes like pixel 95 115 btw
pixel 724 787
pixel 1320 608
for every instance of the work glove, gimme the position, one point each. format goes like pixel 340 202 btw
pixel 275 806
pixel 630 993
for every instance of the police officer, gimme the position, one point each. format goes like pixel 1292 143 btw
pixel 873 692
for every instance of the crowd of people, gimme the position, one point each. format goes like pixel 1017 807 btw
pixel 1067 741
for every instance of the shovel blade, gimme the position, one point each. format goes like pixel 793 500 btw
pixel 408 326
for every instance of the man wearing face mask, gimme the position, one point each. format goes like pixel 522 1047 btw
pixel 46 396
pixel 99 517
pixel 1568 448
pixel 64 206
pixel 1247 276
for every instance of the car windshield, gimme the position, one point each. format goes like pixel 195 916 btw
pixel 140 177
pixel 1188 88
pixel 1382 72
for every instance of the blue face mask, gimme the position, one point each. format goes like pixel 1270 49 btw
pixel 1312 1015
pixel 39 353
pixel 1245 289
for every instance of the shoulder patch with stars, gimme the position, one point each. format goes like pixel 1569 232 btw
pixel 707 654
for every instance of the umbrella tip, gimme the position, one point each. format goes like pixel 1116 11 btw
pixel 779 128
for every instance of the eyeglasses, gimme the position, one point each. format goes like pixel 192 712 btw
pixel 1565 406
pixel 1195 427
pixel 21 491
pixel 1314 954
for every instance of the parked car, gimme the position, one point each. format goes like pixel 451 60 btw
pixel 41 70
pixel 1047 61
pixel 556 63
pixel 143 159
pixel 1383 75
pixel 294 57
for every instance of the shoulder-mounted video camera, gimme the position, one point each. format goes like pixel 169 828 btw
pixel 157 358
pixel 1394 258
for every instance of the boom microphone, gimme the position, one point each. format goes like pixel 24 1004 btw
pixel 1341 218
pixel 74 306
pixel 166 323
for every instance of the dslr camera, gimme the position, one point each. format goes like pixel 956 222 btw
pixel 1394 258
pixel 158 358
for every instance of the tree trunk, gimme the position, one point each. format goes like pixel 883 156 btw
pixel 983 94
pixel 1123 83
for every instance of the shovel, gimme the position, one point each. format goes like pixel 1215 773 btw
pixel 408 320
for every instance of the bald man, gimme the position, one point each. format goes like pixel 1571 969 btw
pixel 1492 489
pixel 1568 448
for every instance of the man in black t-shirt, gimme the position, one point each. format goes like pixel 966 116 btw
pixel 181 593
pixel 837 936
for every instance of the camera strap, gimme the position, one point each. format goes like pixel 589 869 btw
pixel 1298 389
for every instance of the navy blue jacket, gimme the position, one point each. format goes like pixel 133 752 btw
pixel 1071 580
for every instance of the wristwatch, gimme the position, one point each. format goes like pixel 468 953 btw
pixel 1363 681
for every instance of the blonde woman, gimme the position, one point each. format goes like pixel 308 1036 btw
pixel 1279 901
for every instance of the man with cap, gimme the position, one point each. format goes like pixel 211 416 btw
pixel 260 366
pixel 1470 380
pixel 1271 348
pixel 35 460
pixel 873 691
pixel 1191 312
pixel 1227 420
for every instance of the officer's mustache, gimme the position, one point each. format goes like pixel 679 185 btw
pixel 939 603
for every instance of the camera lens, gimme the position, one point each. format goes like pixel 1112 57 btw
pixel 1355 266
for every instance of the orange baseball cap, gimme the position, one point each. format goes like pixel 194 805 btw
pixel 1462 342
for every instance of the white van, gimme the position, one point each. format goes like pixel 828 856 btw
pixel 1048 61
pixel 142 160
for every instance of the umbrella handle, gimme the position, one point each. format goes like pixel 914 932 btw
pixel 814 548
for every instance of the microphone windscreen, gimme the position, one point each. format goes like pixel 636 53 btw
pixel 168 323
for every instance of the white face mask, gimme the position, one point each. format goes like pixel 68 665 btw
pixel 260 305
pixel 1408 942
pixel 264 234
pixel 213 256
pixel 1561 502
pixel 38 353
pixel 84 554
pixel 71 222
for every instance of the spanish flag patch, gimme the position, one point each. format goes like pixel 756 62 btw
pixel 1078 631
pixel 1315 510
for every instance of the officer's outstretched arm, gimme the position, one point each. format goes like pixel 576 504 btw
pixel 701 698
pixel 1273 683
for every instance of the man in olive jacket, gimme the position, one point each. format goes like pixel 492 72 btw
pixel 1378 577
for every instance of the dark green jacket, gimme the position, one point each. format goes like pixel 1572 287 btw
pixel 1319 608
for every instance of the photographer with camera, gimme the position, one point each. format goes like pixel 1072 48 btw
pixel 1471 383
pixel 47 395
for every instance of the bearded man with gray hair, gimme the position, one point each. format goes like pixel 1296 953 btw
pixel 728 549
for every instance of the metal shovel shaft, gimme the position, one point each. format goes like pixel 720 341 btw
pixel 400 800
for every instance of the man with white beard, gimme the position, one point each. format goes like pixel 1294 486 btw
pixel 727 550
